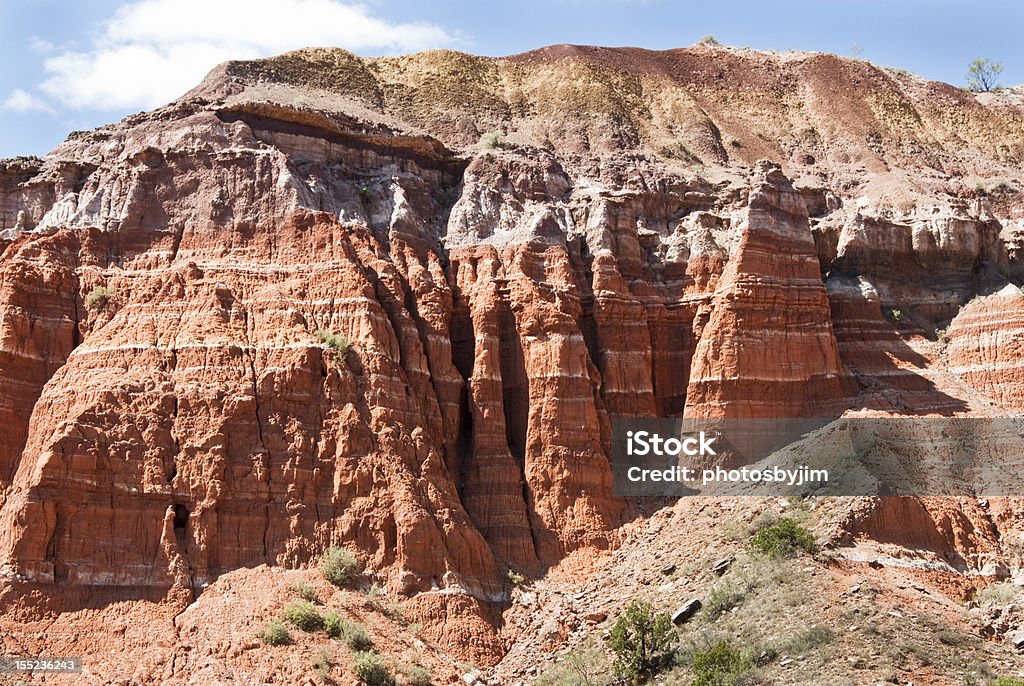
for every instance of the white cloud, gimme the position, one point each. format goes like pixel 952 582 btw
pixel 23 102
pixel 151 51
pixel 39 45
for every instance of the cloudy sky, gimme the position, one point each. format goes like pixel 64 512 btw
pixel 76 65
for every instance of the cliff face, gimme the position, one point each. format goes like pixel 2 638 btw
pixel 171 409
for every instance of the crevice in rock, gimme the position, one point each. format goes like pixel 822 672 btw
pixel 173 471
pixel 582 262
pixel 181 522
pixel 463 350
pixel 386 300
pixel 462 336
pixel 515 390
pixel 422 332
pixel 250 353
pixel 179 233
pixel 463 442
pixel 181 516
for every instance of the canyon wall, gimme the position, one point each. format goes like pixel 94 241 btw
pixel 303 306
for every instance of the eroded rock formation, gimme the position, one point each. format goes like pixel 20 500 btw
pixel 178 292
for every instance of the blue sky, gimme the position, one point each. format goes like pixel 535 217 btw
pixel 77 65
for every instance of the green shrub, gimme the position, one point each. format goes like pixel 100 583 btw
pixel 1008 681
pixel 335 341
pixel 322 666
pixel 416 675
pixel 893 314
pixel 492 140
pixel 352 633
pixel 99 297
pixel 809 639
pixel 708 40
pixel 302 614
pixel 305 590
pixel 642 642
pixel 370 668
pixel 784 538
pixel 447 196
pixel 339 566
pixel 515 577
pixel 275 633
pixel 356 638
pixel 720 665
pixel 334 625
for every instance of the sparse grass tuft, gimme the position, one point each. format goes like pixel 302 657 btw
pixel 1002 593
pixel 584 665
pixel 810 639
pixel 415 675
pixel 721 599
pixel 339 566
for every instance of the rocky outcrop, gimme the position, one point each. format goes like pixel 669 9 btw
pixel 986 346
pixel 768 349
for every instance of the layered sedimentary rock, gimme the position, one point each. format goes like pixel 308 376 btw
pixel 768 349
pixel 986 346
pixel 889 372
pixel 306 305
pixel 954 252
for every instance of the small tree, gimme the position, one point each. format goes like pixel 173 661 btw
pixel 983 73
pixel 642 642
